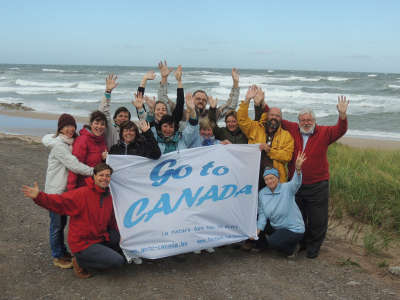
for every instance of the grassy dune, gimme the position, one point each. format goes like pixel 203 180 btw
pixel 365 184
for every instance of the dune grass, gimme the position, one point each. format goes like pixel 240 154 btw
pixel 365 184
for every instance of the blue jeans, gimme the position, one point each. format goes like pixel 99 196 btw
pixel 104 255
pixel 284 240
pixel 57 225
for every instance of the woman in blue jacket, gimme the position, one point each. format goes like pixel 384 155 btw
pixel 277 203
pixel 169 138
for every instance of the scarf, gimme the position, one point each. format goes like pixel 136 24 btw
pixel 67 140
pixel 171 143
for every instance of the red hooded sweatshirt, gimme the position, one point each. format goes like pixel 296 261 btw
pixel 88 148
pixel 91 210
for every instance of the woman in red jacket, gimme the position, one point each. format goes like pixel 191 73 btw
pixel 93 235
pixel 89 147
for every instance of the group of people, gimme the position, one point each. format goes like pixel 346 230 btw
pixel 291 215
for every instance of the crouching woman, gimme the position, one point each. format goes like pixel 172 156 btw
pixel 93 235
pixel 276 203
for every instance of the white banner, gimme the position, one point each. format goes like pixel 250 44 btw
pixel 185 201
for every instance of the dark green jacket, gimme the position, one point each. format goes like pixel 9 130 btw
pixel 235 137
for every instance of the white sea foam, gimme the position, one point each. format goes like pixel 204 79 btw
pixel 81 87
pixel 393 86
pixel 3 77
pixel 201 73
pixel 372 75
pixel 78 100
pixel 271 71
pixel 14 68
pixel 333 78
pixel 21 82
pixel 90 87
pixel 53 70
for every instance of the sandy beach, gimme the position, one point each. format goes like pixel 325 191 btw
pixel 27 271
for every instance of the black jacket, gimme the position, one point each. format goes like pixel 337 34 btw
pixel 144 145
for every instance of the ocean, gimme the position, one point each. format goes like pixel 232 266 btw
pixel 374 109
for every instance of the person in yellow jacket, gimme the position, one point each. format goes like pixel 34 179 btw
pixel 277 144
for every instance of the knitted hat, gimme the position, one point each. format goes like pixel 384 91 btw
pixel 65 120
pixel 271 171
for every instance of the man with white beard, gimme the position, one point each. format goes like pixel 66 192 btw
pixel 313 195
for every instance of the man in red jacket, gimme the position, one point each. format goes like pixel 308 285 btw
pixel 93 235
pixel 312 197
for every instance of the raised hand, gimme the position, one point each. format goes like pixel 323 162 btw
pixel 235 76
pixel 150 75
pixel 251 92
pixel 104 155
pixel 151 102
pixel 301 158
pixel 189 102
pixel 144 125
pixel 342 106
pixel 31 192
pixel 138 102
pixel 225 142
pixel 178 73
pixel 111 82
pixel 213 102
pixel 164 71
pixel 259 97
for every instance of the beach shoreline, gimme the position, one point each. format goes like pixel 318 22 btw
pixel 40 118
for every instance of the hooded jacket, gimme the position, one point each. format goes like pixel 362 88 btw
pixel 180 140
pixel 60 162
pixel 88 148
pixel 282 144
pixel 91 213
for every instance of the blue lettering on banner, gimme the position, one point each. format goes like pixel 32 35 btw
pixel 175 173
pixel 164 204
pixel 182 171
pixel 129 214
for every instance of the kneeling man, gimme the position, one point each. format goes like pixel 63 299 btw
pixel 93 235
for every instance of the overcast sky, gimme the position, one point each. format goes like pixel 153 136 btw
pixel 303 35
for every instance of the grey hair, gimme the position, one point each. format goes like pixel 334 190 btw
pixel 306 111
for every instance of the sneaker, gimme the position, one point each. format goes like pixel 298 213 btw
pixel 137 260
pixel 197 252
pixel 295 252
pixel 63 263
pixel 68 255
pixel 80 272
pixel 210 250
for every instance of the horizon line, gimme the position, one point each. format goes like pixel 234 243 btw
pixel 202 67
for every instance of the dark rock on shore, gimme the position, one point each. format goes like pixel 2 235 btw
pixel 15 106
